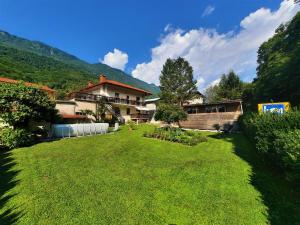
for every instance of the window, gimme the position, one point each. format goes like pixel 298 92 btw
pixel 128 111
pixel 221 109
pixel 138 99
pixel 117 95
pixel 117 111
pixel 127 99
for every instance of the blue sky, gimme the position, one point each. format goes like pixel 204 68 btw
pixel 90 29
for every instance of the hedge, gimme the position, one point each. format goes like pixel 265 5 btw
pixel 276 137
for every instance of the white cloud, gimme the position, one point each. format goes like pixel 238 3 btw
pixel 208 10
pixel 211 53
pixel 116 59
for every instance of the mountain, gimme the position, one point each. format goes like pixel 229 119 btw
pixel 37 62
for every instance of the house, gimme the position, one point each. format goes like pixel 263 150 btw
pixel 205 116
pixel 212 116
pixel 124 101
pixel 44 88
pixel 197 99
pixel 151 105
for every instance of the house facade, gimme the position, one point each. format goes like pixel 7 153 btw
pixel 213 116
pixel 124 101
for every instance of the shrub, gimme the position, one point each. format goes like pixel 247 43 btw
pixel 131 125
pixel 287 146
pixel 276 137
pixel 176 135
pixel 14 138
pixel 20 104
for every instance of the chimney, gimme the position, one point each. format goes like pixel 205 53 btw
pixel 102 78
pixel 90 84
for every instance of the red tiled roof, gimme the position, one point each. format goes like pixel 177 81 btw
pixel 116 83
pixel 72 116
pixel 11 81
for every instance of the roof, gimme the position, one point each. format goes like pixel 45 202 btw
pixel 115 83
pixel 72 116
pixel 65 102
pixel 215 103
pixel 141 108
pixel 11 81
pixel 152 99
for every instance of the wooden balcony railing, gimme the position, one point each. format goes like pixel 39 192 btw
pixel 91 97
pixel 140 116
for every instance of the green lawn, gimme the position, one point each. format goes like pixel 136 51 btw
pixel 124 178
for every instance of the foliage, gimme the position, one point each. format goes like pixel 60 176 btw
pixel 278 68
pixel 14 138
pixel 287 146
pixel 212 94
pixel 19 104
pixel 169 113
pixel 131 125
pixel 230 87
pixel 101 109
pixel 33 61
pixel 270 131
pixel 176 82
pixel 177 135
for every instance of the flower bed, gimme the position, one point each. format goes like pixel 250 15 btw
pixel 177 135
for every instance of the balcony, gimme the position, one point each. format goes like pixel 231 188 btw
pixel 140 116
pixel 112 100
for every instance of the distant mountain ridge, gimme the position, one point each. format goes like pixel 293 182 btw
pixel 38 62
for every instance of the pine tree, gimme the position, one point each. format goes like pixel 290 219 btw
pixel 176 82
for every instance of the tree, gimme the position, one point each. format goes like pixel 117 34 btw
pixel 278 75
pixel 101 109
pixel 212 94
pixel 20 104
pixel 177 86
pixel 170 113
pixel 230 87
pixel 176 82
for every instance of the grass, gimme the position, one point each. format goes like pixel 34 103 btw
pixel 124 178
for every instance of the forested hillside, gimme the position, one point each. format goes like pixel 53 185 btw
pixel 36 62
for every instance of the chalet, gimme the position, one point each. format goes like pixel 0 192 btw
pixel 205 116
pixel 211 116
pixel 124 101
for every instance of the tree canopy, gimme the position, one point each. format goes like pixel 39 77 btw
pixel 170 113
pixel 177 86
pixel 230 87
pixel 176 81
pixel 278 71
pixel 20 104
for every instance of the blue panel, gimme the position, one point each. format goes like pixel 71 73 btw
pixel 275 108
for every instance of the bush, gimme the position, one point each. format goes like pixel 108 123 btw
pixel 131 125
pixel 275 136
pixel 177 135
pixel 14 138
pixel 287 146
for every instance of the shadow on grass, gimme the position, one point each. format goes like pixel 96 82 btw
pixel 7 182
pixel 281 197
